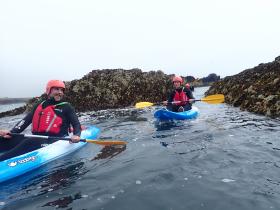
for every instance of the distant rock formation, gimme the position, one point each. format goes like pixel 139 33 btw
pixel 13 100
pixel 189 79
pixel 211 78
pixel 256 90
pixel 206 81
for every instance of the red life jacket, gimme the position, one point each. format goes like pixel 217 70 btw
pixel 46 120
pixel 182 98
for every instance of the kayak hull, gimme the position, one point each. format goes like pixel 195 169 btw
pixel 19 165
pixel 164 114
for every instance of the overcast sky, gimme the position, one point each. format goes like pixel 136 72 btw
pixel 66 39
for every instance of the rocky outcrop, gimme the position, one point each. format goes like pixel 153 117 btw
pixel 256 90
pixel 202 82
pixel 111 88
pixel 117 88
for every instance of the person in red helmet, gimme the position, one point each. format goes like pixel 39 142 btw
pixel 188 86
pixel 178 101
pixel 50 117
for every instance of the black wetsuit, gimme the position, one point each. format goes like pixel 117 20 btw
pixel 174 107
pixel 18 145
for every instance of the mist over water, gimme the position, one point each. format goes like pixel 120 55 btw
pixel 224 159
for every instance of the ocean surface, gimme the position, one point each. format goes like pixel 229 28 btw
pixel 225 159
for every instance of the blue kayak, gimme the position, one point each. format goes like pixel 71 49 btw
pixel 19 165
pixel 164 114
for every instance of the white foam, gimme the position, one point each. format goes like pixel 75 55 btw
pixel 138 182
pixel 228 180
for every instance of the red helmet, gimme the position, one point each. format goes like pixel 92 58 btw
pixel 177 79
pixel 54 83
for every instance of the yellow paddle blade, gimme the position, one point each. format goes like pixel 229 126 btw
pixel 143 105
pixel 105 143
pixel 214 99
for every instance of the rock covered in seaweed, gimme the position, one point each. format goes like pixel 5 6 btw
pixel 118 88
pixel 256 90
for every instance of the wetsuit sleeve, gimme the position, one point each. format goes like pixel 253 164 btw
pixel 74 121
pixel 25 122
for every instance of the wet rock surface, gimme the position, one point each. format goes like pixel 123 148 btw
pixel 255 90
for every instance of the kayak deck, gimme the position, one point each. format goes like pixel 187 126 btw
pixel 164 114
pixel 19 165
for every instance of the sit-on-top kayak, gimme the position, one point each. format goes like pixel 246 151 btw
pixel 19 165
pixel 164 114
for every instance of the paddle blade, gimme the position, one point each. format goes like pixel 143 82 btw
pixel 106 143
pixel 214 99
pixel 141 105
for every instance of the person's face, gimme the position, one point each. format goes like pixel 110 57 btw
pixel 177 85
pixel 57 93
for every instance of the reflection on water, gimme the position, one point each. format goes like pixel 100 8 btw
pixel 61 177
pixel 161 125
pixel 109 152
pixel 64 201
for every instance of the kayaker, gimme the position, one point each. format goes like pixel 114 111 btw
pixel 188 86
pixel 51 117
pixel 178 101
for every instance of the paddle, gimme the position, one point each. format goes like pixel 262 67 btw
pixel 212 99
pixel 100 142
